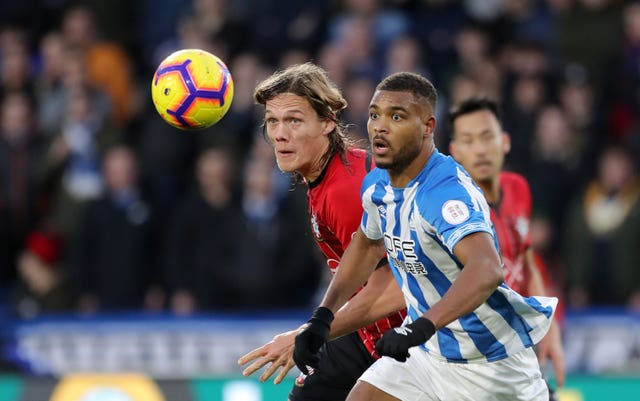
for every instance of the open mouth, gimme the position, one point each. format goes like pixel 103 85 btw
pixel 380 145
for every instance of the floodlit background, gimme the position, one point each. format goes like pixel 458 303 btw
pixel 139 259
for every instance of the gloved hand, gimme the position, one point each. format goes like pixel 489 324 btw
pixel 311 338
pixel 397 341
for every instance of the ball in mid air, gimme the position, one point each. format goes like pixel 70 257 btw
pixel 192 89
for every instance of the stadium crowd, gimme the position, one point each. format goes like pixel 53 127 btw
pixel 104 206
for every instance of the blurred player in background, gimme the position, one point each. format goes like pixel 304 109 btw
pixel 467 336
pixel 301 108
pixel 480 145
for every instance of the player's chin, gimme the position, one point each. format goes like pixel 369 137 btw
pixel 482 174
pixel 285 165
pixel 383 162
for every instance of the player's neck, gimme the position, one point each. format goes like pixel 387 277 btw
pixel 317 167
pixel 491 189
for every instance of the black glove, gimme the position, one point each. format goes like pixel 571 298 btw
pixel 397 341
pixel 311 338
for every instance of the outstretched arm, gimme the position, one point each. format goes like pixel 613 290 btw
pixel 379 298
pixel 357 264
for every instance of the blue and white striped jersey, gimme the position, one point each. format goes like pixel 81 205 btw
pixel 420 225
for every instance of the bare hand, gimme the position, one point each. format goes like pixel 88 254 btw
pixel 278 352
pixel 551 348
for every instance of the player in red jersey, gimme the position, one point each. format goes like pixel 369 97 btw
pixel 301 107
pixel 480 145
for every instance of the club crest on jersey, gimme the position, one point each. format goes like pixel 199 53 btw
pixel 455 212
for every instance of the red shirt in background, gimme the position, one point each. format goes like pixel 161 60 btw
pixel 511 217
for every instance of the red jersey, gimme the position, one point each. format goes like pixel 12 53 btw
pixel 335 211
pixel 510 219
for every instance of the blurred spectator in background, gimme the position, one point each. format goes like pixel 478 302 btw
pixel 112 257
pixel 49 83
pixel 238 126
pixel 578 106
pixel 625 108
pixel 436 25
pixel 156 21
pixel 291 57
pixel 42 286
pixel 15 66
pixel 555 169
pixel 405 54
pixel 525 20
pixel 53 91
pixel 188 35
pixel 223 24
pixel 462 87
pixel 20 190
pixel 523 102
pixel 358 92
pixel 108 65
pixel 166 158
pixel 603 227
pixel 278 25
pixel 276 264
pixel 202 236
pixel 362 32
pixel 72 165
pixel 330 57
pixel 472 46
pixel 357 46
pixel 598 23
pixel 383 24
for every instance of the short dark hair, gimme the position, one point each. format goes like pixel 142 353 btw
pixel 472 105
pixel 418 85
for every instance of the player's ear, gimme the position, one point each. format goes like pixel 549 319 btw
pixel 430 125
pixel 330 125
pixel 452 148
pixel 506 142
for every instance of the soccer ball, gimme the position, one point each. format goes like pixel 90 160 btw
pixel 192 89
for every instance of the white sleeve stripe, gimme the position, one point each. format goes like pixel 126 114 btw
pixel 467 229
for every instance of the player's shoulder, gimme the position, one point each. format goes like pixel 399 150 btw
pixel 445 182
pixel 353 163
pixel 357 154
pixel 442 165
pixel 344 174
pixel 442 171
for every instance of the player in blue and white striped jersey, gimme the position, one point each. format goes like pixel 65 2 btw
pixel 442 205
pixel 467 334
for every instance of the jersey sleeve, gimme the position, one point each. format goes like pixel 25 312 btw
pixel 370 223
pixel 455 209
